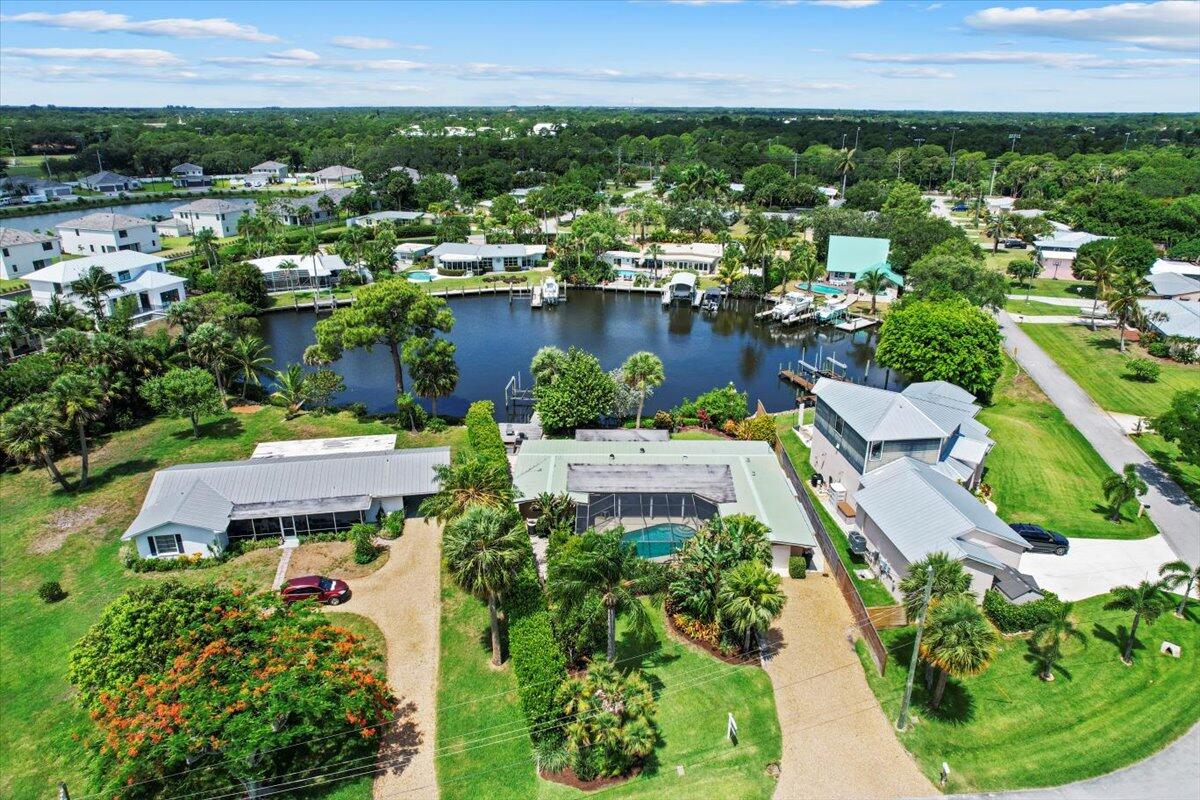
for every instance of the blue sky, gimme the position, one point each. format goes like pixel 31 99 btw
pixel 1074 56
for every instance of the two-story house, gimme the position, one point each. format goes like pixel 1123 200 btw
pixel 189 175
pixel 273 170
pixel 138 275
pixel 219 216
pixel 108 233
pixel 309 210
pixel 22 252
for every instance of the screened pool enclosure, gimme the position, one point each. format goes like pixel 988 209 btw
pixel 656 523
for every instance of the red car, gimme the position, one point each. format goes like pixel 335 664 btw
pixel 329 591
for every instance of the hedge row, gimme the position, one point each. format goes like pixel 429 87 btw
pixel 483 434
pixel 537 658
pixel 1011 618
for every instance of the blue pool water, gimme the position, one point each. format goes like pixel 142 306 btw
pixel 660 540
pixel 420 276
pixel 627 274
pixel 821 288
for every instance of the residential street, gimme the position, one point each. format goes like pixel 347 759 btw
pixel 1176 516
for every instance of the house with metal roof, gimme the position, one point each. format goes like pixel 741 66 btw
pixel 1056 253
pixel 858 429
pixel 908 510
pixel 850 257
pixel 198 509
pixel 336 175
pixel 291 272
pixel 395 217
pixel 1165 265
pixel 661 492
pixel 465 256
pixel 104 232
pixel 1176 318
pixel 1174 286
pixel 22 252
pixel 139 276
pixel 309 209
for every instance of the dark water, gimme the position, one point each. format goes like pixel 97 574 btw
pixel 496 340
pixel 46 222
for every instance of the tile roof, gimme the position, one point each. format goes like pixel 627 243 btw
pixel 103 222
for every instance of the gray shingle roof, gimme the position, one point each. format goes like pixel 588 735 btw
pixel 14 236
pixel 922 511
pixel 269 165
pixel 215 206
pixel 336 173
pixel 104 222
pixel 208 495
pixel 103 178
pixel 313 201
pixel 186 166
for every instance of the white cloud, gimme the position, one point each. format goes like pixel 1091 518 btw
pixel 296 54
pixel 1167 25
pixel 142 58
pixel 908 73
pixel 362 43
pixel 183 28
pixel 846 3
pixel 1040 58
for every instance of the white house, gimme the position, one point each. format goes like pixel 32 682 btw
pixel 22 252
pixel 1164 265
pixel 395 217
pixel 407 253
pixel 187 175
pixel 271 169
pixel 197 509
pixel 108 233
pixel 138 275
pixel 320 270
pixel 336 175
pixel 109 182
pixel 219 216
pixel 291 212
pixel 486 257
pixel 690 257
pixel 1056 253
pixel 1176 318
pixel 415 175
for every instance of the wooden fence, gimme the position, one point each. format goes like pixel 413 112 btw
pixel 862 618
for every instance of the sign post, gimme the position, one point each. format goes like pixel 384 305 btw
pixel 731 729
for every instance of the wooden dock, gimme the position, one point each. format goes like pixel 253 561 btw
pixel 796 379
pixel 856 322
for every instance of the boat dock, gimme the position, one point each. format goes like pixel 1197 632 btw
pixel 856 322
pixel 535 300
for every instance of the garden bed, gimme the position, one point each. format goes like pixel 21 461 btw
pixel 678 634
pixel 567 777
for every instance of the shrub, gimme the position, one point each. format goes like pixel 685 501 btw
pixel 408 412
pixel 664 421
pixel 195 561
pixel 731 428
pixel 364 543
pixel 1185 351
pixel 392 525
pixel 1142 369
pixel 723 403
pixel 798 567
pixel 759 428
pixel 1159 349
pixel 51 592
pixel 436 425
pixel 483 434
pixel 537 657
pixel 1010 618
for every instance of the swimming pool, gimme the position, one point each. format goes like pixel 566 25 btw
pixel 659 541
pixel 627 274
pixel 420 276
pixel 824 288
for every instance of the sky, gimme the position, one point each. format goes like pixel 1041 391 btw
pixel 877 54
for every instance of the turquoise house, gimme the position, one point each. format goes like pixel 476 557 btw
pixel 851 256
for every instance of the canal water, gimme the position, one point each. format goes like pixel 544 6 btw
pixel 46 222
pixel 497 339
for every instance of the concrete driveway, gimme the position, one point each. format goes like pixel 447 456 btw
pixel 1094 566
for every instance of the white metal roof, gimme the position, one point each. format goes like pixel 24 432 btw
pixel 319 265
pixel 71 269
pixel 337 444
pixel 877 414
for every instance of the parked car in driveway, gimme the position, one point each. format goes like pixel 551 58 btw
pixel 1014 244
pixel 329 591
pixel 1043 541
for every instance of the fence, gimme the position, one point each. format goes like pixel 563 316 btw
pixel 849 591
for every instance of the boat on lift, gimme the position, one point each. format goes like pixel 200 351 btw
pixel 550 293
pixel 792 304
pixel 832 311
pixel 711 300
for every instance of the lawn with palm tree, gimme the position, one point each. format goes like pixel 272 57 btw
pixel 1007 728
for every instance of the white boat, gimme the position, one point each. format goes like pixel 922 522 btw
pixel 793 303
pixel 550 291
pixel 832 311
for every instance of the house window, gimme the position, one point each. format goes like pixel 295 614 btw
pixel 169 296
pixel 876 451
pixel 838 425
pixel 5 251
pixel 45 246
pixel 122 234
pixel 169 545
pixel 123 276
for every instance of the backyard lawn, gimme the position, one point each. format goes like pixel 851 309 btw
pixel 1034 308
pixel 1042 470
pixel 1051 287
pixel 694 692
pixel 47 534
pixel 1093 361
pixel 1006 728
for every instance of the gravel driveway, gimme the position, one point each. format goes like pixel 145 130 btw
pixel 836 741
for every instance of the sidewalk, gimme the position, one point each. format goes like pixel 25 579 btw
pixel 1176 516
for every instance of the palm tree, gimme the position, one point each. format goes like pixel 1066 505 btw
pixel 874 281
pixel 1099 265
pixel 94 285
pixel 483 549
pixel 289 267
pixel 958 641
pixel 79 398
pixel 431 368
pixel 949 578
pixel 1146 601
pixel 804 264
pixel 204 245
pixel 208 346
pixel 1049 638
pixel 996 225
pixel 1120 489
pixel 1180 573
pixel 729 270
pixel 1125 290
pixel 845 165
pixel 642 372
pixel 653 254
pixel 29 432
pixel 291 389
pixel 604 568
pixel 758 250
pixel 249 357
pixel 750 599
pixel 465 482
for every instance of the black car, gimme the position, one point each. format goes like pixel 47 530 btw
pixel 1043 541
pixel 1014 244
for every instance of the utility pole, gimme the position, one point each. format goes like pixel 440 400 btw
pixel 795 163
pixel 992 185
pixel 856 132
pixel 46 161
pixel 902 722
pixel 953 160
pixel 1126 147
pixel 843 141
pixel 1013 137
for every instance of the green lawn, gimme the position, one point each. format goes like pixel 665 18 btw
pixel 1033 307
pixel 74 538
pixel 12 285
pixel 694 691
pixel 1093 360
pixel 1166 455
pixel 873 592
pixel 1050 287
pixel 1005 728
pixel 1042 470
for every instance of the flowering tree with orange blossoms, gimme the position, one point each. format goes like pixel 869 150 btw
pixel 233 693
